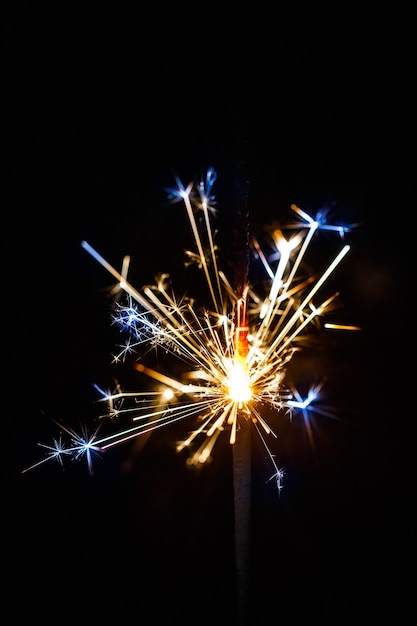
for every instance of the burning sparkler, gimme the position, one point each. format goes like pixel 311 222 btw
pixel 230 353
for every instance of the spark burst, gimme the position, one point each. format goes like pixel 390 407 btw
pixel 230 356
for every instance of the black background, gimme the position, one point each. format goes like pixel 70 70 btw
pixel 103 107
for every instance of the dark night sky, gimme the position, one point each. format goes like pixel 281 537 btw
pixel 101 111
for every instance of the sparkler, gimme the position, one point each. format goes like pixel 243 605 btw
pixel 230 352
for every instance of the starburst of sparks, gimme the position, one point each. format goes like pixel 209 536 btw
pixel 230 355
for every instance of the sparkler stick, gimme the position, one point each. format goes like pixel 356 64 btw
pixel 235 349
pixel 241 449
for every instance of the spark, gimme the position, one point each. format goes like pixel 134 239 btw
pixel 229 353
pixel 81 445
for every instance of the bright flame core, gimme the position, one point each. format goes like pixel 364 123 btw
pixel 238 383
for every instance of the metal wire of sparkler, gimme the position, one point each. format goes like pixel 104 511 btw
pixel 236 349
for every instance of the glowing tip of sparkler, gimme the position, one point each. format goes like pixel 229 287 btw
pixel 239 389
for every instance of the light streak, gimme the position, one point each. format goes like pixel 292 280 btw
pixel 229 354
